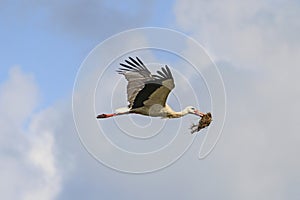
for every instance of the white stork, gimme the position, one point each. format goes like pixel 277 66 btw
pixel 147 93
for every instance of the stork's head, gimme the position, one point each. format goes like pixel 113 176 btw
pixel 193 110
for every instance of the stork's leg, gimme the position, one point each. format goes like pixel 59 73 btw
pixel 106 115
pixel 111 115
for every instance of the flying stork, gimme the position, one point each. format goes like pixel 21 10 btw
pixel 147 93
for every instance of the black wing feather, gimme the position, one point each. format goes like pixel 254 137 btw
pixel 142 84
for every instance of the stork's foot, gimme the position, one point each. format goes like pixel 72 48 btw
pixel 105 116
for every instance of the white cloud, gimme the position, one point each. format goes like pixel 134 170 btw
pixel 19 96
pixel 28 164
pixel 253 43
pixel 248 33
pixel 255 156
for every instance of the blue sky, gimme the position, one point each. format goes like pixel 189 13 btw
pixel 256 47
pixel 53 48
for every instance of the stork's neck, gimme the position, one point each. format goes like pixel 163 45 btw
pixel 173 114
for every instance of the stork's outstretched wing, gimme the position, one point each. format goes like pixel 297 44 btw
pixel 145 89
pixel 136 74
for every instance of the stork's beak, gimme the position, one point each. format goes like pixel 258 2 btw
pixel 198 113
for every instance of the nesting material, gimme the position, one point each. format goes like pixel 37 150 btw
pixel 203 122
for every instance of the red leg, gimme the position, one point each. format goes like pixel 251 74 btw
pixel 106 115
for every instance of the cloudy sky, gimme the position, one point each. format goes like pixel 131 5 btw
pixel 256 47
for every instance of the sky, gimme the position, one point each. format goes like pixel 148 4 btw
pixel 46 47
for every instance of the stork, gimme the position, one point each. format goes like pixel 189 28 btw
pixel 147 93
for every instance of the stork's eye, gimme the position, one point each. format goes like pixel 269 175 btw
pixel 193 108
